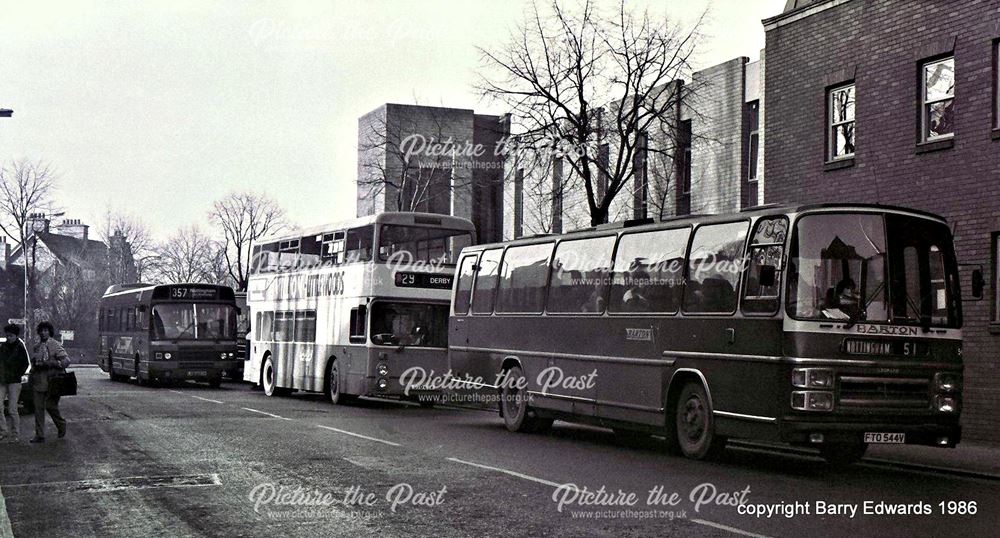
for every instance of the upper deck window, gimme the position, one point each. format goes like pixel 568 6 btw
pixel 411 244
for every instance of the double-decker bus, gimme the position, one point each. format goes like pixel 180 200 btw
pixel 170 332
pixel 830 326
pixel 348 308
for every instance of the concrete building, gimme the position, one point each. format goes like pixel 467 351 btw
pixel 896 102
pixel 421 158
pixel 705 159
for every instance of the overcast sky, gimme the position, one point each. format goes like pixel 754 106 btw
pixel 160 108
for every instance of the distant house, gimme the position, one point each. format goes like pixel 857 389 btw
pixel 71 273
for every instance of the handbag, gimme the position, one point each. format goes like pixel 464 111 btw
pixel 63 384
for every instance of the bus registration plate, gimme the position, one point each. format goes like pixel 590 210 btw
pixel 197 373
pixel 885 438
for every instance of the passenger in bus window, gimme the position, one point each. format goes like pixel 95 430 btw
pixel 634 297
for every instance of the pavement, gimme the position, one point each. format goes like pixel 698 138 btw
pixel 189 460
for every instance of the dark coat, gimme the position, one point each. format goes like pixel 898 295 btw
pixel 47 358
pixel 13 362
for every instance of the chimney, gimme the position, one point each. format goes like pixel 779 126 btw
pixel 37 222
pixel 5 261
pixel 73 228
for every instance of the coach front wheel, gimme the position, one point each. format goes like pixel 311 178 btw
pixel 695 425
pixel 518 416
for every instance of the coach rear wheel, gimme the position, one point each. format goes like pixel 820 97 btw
pixel 332 386
pixel 518 416
pixel 695 426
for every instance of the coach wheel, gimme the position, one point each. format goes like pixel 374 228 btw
pixel 840 454
pixel 518 416
pixel 695 425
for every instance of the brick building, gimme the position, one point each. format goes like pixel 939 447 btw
pixel 896 102
pixel 707 159
pixel 422 158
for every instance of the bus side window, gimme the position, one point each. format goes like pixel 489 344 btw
pixel 485 287
pixel 265 326
pixel 523 277
pixel 579 281
pixel 284 323
pixel 463 292
pixel 714 266
pixel 359 316
pixel 763 278
pixel 648 271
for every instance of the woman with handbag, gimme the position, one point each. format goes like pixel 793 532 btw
pixel 48 358
pixel 13 365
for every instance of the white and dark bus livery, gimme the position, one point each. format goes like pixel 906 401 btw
pixel 831 326
pixel 170 332
pixel 347 308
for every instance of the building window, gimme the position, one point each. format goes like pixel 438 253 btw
pixel 841 116
pixel 518 203
pixel 683 161
pixel 937 110
pixel 640 204
pixel 557 195
pixel 996 84
pixel 753 152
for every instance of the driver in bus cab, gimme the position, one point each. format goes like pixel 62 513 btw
pixel 844 297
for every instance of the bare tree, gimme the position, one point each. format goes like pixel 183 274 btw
pixel 25 189
pixel 129 234
pixel 186 256
pixel 576 79
pixel 244 217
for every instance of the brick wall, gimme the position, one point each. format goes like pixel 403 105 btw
pixel 879 45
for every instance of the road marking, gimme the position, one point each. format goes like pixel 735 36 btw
pixel 5 530
pixel 205 399
pixel 733 530
pixel 345 432
pixel 263 413
pixel 505 471
pixel 557 485
pixel 105 485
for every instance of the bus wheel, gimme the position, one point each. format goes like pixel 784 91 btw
pixel 332 386
pixel 269 378
pixel 696 437
pixel 517 414
pixel 841 454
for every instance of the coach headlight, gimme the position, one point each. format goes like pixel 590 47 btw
pixel 382 383
pixel 382 369
pixel 812 400
pixel 947 381
pixel 815 378
pixel 167 356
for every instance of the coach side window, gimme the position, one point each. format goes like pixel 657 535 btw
pixel 463 291
pixel 486 281
pixel 714 267
pixel 579 281
pixel 767 247
pixel 648 275
pixel 523 275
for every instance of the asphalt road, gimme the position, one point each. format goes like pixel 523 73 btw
pixel 192 461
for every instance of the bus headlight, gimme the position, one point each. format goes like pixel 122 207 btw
pixel 811 400
pixel 223 355
pixel 167 356
pixel 947 381
pixel 382 369
pixel 231 355
pixel 946 404
pixel 382 383
pixel 818 378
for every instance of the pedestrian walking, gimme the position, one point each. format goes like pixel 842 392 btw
pixel 13 365
pixel 47 359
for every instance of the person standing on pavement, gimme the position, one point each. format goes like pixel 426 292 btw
pixel 13 365
pixel 47 358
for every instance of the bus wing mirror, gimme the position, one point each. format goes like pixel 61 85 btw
pixel 768 276
pixel 142 308
pixel 978 284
